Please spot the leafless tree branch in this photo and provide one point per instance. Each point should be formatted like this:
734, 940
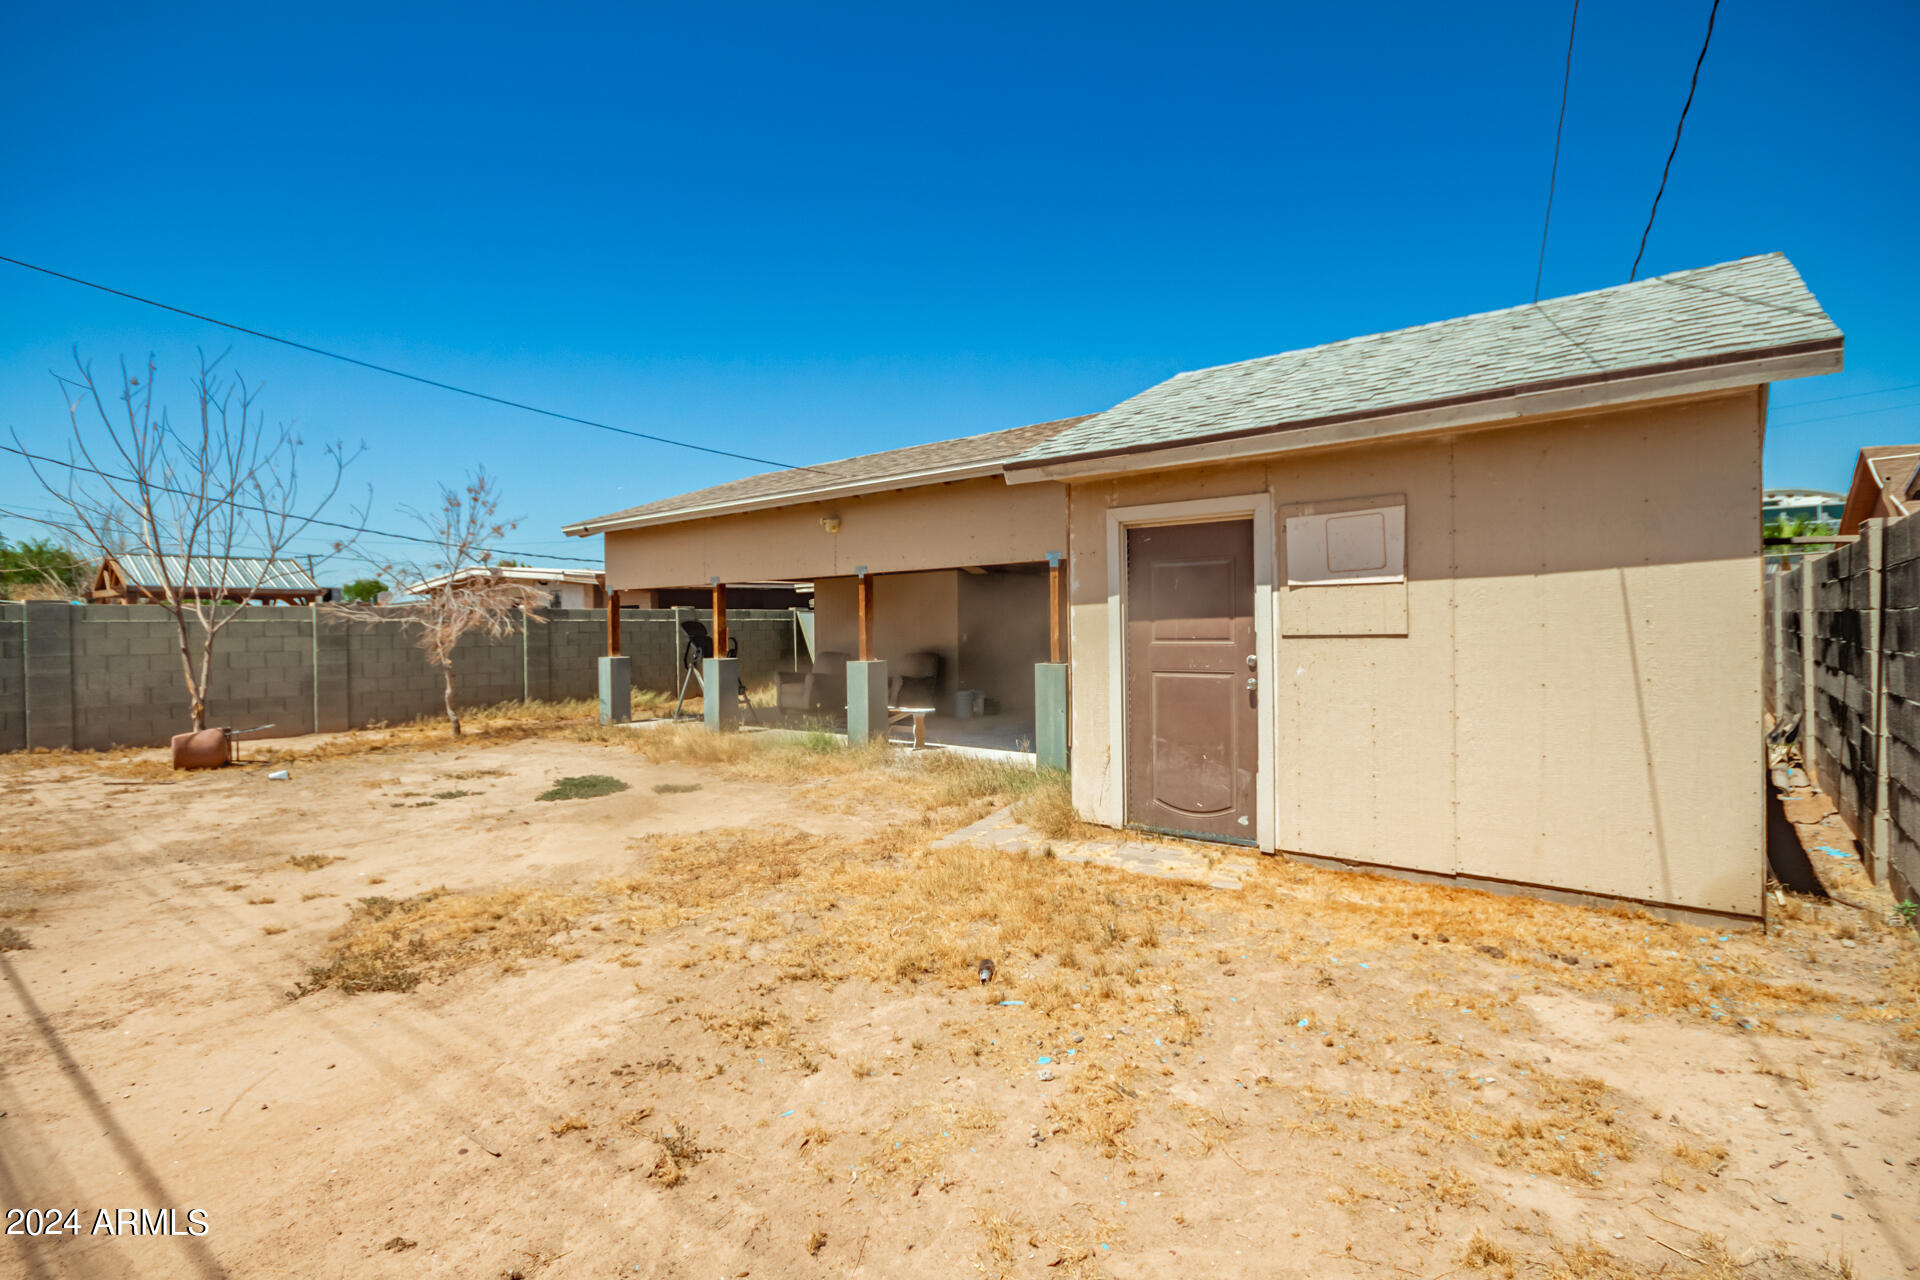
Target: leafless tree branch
195, 501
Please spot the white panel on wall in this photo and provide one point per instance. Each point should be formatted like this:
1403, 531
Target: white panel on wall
1367, 545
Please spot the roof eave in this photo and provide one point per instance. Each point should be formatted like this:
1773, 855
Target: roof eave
769, 502
1571, 395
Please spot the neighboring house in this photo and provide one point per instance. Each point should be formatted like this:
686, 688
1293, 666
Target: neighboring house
1374, 602
565, 588
128, 578
1883, 482
1814, 506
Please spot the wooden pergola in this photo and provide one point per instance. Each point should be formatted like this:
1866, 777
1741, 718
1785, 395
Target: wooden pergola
144, 579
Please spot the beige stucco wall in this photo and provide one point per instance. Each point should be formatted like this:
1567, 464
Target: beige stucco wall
1576, 699
968, 522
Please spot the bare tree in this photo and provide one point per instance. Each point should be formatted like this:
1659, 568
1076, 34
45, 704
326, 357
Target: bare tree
460, 590
217, 507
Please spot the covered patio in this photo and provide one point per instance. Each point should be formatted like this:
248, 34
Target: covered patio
938, 593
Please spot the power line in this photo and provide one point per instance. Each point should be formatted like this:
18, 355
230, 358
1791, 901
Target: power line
1852, 395
228, 502
1566, 83
1857, 413
1675, 150
410, 377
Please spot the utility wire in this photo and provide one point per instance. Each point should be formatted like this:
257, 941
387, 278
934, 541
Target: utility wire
1675, 149
1566, 83
1835, 417
410, 377
229, 502
1852, 395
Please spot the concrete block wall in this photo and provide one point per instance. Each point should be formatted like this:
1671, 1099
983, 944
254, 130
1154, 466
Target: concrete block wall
1900, 642
96, 676
1860, 643
13, 676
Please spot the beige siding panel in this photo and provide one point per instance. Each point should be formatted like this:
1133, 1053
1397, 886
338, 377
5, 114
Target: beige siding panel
975, 522
1609, 657
1357, 609
1576, 699
1366, 727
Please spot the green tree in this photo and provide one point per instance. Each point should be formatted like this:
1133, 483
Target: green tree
43, 563
363, 591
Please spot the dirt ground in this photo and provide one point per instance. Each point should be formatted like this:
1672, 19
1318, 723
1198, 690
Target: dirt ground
397, 1016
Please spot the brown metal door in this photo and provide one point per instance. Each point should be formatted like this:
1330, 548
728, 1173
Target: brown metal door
1192, 737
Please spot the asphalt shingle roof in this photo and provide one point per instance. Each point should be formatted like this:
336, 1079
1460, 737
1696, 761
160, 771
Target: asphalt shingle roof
776, 488
240, 573
1690, 317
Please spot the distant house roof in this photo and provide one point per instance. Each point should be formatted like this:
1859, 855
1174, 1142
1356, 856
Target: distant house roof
534, 574
1799, 497
1736, 311
1882, 477
149, 573
940, 462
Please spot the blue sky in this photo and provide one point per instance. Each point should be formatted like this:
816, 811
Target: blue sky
804, 233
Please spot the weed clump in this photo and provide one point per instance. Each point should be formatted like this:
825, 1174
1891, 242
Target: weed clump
679, 1152
586, 787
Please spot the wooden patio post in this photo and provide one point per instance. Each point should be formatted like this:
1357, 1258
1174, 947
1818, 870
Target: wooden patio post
719, 618
1056, 643
613, 624
866, 615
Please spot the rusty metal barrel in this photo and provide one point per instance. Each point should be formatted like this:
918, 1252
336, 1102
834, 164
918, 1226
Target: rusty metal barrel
203, 749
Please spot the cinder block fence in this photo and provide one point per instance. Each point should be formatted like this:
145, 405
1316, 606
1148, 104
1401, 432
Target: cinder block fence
1843, 652
95, 676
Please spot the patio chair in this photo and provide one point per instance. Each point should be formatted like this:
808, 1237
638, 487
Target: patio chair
917, 675
699, 648
824, 686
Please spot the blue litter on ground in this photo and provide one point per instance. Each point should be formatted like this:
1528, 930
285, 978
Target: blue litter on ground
785, 1114
1044, 1060
1831, 852
1005, 1003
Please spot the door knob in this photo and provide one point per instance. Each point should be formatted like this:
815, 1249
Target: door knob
1253, 683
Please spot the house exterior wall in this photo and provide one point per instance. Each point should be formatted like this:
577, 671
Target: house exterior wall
967, 522
1575, 700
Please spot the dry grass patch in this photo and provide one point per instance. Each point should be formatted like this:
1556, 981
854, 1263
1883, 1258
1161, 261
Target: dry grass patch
1482, 1254
1703, 1157
1058, 933
1639, 962
11, 939
915, 1147
688, 874
762, 757
481, 726
1048, 809
392, 944
1573, 1135
1099, 1107
312, 861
